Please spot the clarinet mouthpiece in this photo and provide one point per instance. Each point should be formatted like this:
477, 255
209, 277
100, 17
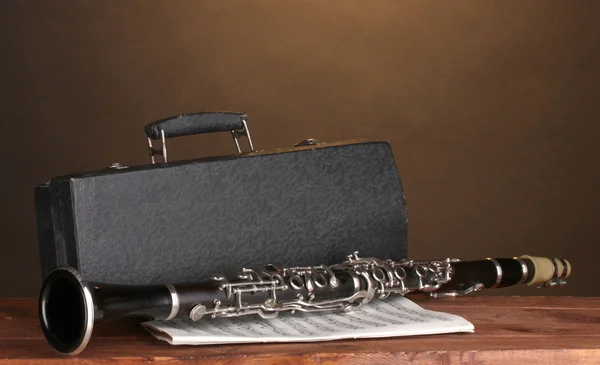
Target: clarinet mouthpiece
547, 272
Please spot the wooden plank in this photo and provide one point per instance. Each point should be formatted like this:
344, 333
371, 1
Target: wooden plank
428, 357
513, 329
149, 347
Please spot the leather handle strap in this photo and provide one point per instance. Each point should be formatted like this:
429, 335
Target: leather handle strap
195, 123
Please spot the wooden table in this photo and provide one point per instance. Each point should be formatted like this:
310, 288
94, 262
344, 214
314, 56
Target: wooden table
508, 330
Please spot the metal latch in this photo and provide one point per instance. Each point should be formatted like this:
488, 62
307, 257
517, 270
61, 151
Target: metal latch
117, 166
308, 142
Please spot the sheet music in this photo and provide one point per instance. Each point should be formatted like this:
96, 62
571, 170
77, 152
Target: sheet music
395, 316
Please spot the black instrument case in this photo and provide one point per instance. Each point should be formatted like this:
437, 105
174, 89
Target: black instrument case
165, 222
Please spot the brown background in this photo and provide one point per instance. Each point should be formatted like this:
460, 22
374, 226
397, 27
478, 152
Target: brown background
491, 107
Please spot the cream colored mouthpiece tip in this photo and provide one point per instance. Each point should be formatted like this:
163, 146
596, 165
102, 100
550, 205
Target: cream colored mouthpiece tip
544, 268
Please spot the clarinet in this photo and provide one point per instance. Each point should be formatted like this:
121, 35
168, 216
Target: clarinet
69, 306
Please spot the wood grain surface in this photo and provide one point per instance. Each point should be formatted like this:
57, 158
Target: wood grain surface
508, 330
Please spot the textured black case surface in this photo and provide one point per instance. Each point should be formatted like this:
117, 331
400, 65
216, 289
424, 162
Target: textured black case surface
188, 220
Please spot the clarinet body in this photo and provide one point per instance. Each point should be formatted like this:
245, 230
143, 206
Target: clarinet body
69, 306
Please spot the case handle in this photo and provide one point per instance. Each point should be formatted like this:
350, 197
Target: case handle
196, 123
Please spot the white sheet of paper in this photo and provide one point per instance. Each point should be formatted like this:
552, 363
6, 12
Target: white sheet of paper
395, 316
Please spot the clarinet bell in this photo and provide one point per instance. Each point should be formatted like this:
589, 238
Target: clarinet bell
66, 311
